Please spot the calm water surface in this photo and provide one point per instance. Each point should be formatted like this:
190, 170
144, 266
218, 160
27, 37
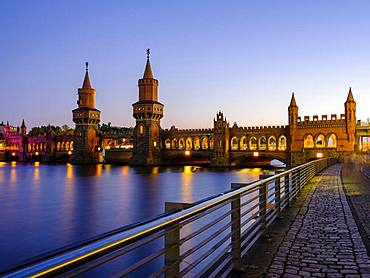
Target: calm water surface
44, 207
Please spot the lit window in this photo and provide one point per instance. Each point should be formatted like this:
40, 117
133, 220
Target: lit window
141, 129
308, 141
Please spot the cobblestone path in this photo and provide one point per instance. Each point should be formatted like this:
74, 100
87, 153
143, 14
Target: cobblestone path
324, 240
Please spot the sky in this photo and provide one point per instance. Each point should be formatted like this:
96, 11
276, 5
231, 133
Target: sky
242, 57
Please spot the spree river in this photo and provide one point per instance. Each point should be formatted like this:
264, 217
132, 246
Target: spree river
45, 207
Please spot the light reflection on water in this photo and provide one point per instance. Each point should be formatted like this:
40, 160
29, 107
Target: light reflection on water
44, 207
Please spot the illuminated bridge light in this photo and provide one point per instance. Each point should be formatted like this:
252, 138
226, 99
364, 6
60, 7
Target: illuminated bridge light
319, 155
187, 153
255, 154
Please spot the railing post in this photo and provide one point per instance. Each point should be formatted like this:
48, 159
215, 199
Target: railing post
301, 178
277, 195
172, 242
298, 180
286, 188
263, 204
236, 231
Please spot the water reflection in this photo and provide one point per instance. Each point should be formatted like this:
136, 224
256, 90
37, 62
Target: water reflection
88, 170
69, 174
155, 170
186, 183
55, 205
13, 173
124, 170
36, 172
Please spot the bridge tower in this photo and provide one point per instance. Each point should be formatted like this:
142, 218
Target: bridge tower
350, 112
148, 113
86, 118
293, 145
221, 137
23, 129
24, 140
293, 117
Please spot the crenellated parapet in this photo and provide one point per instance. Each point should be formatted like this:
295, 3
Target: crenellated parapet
324, 120
174, 132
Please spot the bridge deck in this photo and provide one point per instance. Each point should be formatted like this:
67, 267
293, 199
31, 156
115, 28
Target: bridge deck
323, 240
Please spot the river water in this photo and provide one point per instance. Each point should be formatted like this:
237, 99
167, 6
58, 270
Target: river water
45, 207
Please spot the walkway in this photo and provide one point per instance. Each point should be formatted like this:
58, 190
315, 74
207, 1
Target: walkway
356, 183
323, 241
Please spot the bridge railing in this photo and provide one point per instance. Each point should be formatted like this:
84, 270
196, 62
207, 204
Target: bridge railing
207, 238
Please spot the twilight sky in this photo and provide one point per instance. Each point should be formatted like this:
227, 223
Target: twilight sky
243, 57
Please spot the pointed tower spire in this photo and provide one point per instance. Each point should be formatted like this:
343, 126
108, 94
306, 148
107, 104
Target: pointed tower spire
87, 84
23, 128
148, 74
350, 96
292, 101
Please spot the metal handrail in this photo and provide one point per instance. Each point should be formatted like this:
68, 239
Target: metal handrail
91, 251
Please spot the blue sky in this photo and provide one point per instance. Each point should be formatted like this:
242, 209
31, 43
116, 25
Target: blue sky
242, 57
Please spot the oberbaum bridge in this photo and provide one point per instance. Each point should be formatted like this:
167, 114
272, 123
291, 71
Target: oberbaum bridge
245, 231
303, 139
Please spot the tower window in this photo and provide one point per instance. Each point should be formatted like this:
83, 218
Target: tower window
141, 129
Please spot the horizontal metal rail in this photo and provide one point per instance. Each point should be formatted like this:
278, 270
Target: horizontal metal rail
203, 238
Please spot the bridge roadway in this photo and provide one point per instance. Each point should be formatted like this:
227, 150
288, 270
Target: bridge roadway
318, 237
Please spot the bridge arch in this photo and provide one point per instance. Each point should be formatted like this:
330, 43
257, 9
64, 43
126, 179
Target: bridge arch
332, 141
71, 145
211, 143
189, 144
174, 144
196, 143
320, 141
67, 145
253, 143
271, 143
167, 144
234, 143
181, 144
204, 143
282, 143
262, 143
243, 143
308, 141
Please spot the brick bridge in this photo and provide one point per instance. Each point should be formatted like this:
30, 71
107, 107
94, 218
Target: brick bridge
244, 144
302, 139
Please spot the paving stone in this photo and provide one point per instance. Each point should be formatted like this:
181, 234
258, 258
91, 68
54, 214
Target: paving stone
323, 240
